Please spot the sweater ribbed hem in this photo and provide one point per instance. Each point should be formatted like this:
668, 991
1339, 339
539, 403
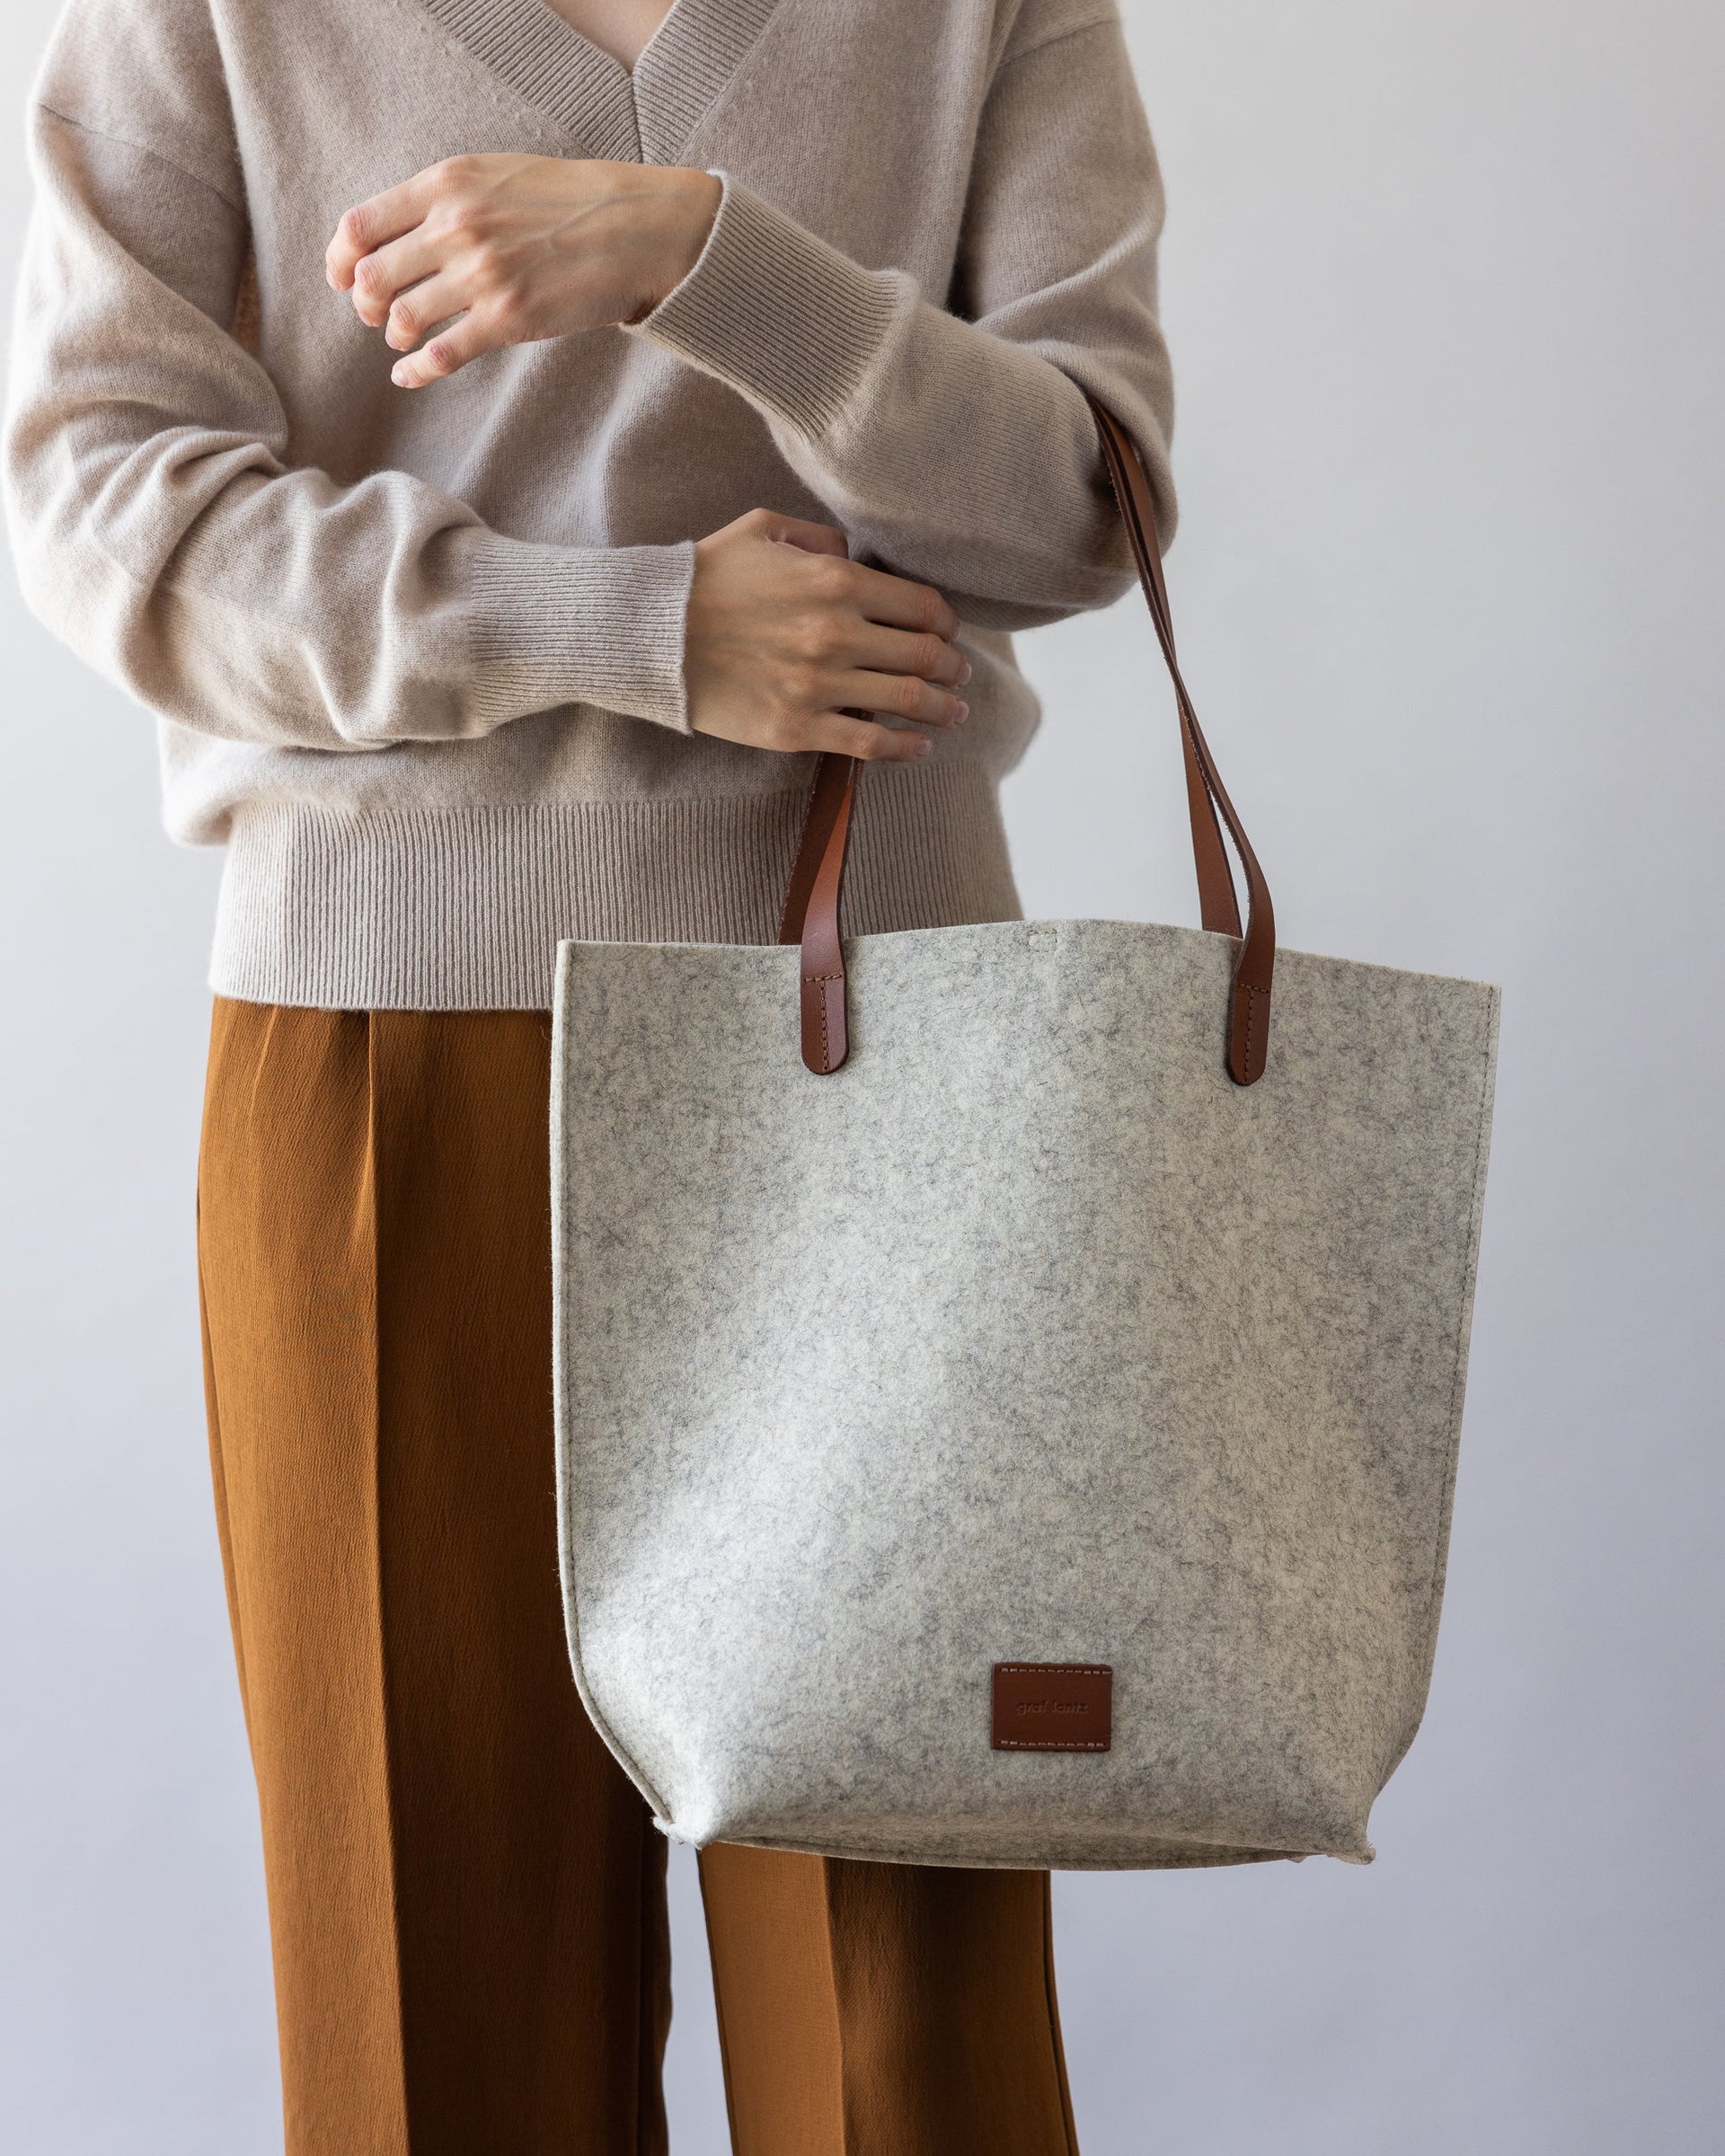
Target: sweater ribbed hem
787, 321
464, 908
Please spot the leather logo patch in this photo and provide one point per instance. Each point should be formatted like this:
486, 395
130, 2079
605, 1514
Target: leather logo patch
1053, 1706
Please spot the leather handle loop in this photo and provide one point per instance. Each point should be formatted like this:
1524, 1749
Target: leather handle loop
811, 915
1219, 905
1207, 799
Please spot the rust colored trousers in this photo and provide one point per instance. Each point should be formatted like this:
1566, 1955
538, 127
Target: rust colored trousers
466, 1893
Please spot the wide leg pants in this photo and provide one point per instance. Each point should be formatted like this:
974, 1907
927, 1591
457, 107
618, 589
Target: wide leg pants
467, 1895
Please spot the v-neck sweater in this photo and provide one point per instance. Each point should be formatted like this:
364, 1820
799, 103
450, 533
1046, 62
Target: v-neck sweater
418, 659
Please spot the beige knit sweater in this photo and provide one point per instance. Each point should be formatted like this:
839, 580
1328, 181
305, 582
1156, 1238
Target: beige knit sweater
418, 658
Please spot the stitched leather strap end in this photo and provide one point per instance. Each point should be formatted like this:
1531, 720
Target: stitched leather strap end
826, 1040
1249, 1033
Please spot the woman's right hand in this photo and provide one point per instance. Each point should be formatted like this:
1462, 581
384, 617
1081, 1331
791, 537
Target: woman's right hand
786, 636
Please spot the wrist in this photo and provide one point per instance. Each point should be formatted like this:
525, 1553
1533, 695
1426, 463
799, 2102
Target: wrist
692, 201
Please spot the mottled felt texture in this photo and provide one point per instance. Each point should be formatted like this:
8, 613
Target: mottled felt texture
1026, 1335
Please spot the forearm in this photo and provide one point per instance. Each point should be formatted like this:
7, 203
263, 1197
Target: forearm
948, 451
952, 442
159, 529
288, 611
952, 439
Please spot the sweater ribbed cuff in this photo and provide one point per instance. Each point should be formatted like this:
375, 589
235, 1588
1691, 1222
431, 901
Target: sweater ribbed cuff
562, 625
787, 321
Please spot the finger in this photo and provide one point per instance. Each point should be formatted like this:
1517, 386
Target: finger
812, 538
923, 654
841, 735
901, 602
370, 224
450, 349
415, 313
902, 695
381, 276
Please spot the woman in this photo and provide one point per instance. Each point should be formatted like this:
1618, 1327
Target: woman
692, 382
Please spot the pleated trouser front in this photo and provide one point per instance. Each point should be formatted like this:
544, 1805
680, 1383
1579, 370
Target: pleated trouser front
466, 1894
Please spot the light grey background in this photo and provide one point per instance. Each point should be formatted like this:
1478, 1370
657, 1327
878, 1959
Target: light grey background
1443, 286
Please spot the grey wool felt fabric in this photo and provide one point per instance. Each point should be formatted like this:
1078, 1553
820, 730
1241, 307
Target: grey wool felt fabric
1025, 1336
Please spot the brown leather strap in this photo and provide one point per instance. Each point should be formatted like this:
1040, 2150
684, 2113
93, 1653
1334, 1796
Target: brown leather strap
811, 915
1218, 904
1249, 1016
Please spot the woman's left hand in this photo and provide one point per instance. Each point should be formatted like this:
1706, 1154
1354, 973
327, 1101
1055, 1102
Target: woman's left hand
505, 250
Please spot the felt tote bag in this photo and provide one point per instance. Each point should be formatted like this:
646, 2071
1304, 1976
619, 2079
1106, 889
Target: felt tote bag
1008, 1376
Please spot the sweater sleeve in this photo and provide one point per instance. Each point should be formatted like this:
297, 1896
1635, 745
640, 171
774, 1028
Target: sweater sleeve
161, 530
953, 444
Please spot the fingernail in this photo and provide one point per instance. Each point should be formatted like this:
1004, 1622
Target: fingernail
964, 673
398, 376
960, 712
925, 748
